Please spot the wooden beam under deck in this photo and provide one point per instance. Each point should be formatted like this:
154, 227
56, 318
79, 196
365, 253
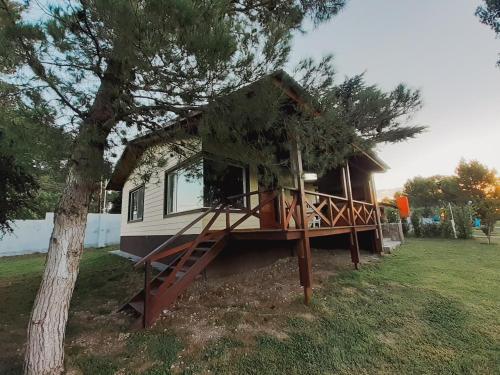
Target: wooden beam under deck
294, 234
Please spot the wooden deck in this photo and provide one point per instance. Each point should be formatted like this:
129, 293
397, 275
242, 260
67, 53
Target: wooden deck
295, 234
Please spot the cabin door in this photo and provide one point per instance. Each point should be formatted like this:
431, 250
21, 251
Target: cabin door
269, 213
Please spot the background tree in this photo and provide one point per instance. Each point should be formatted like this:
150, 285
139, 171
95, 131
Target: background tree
115, 201
17, 189
38, 147
449, 189
423, 191
472, 182
475, 181
489, 14
474, 190
489, 210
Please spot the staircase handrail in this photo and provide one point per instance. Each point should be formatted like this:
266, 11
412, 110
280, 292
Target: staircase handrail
174, 237
214, 209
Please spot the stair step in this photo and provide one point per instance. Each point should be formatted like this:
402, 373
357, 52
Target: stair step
180, 274
182, 271
206, 243
193, 259
137, 306
184, 268
204, 249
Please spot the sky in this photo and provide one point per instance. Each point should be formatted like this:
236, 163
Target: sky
437, 46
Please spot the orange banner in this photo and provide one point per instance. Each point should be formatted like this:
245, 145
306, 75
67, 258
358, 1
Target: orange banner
403, 206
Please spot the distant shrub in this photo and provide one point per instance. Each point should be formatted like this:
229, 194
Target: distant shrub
463, 221
405, 226
431, 230
427, 211
392, 215
416, 223
446, 229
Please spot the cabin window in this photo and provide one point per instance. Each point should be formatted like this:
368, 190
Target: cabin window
204, 184
360, 185
184, 189
332, 182
136, 204
222, 180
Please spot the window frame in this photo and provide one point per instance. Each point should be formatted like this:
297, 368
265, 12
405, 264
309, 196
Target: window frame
130, 193
182, 165
246, 183
186, 163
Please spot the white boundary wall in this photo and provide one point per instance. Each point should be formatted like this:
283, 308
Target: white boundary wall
31, 236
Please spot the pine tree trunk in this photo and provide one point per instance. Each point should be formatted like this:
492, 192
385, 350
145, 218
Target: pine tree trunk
47, 325
45, 348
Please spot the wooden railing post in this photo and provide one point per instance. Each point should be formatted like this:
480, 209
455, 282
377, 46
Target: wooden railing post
379, 237
352, 218
283, 210
330, 212
228, 218
304, 249
147, 294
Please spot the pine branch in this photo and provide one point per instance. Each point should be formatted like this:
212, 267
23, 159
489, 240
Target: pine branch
36, 66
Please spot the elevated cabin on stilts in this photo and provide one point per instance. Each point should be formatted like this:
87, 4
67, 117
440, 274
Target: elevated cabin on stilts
172, 219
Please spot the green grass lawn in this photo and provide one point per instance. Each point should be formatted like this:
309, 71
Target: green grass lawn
104, 281
431, 308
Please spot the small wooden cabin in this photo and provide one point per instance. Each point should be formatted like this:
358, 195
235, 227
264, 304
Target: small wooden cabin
171, 219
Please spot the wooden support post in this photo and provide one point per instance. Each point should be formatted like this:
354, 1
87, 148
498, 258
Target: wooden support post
354, 247
354, 244
283, 210
298, 250
304, 248
379, 237
330, 211
228, 218
147, 294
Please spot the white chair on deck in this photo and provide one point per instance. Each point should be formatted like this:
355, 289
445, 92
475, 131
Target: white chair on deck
315, 222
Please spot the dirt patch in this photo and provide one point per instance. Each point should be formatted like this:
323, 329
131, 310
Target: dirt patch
246, 305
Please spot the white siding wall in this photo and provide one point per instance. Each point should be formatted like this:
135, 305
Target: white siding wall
154, 222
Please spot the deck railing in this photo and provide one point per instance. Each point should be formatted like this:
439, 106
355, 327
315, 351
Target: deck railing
324, 210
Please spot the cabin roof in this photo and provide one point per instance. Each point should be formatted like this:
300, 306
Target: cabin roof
136, 147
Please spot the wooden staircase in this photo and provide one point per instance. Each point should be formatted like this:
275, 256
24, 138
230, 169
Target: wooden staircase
185, 262
161, 291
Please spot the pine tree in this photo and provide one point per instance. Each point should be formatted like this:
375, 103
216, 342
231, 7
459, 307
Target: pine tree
104, 63
489, 14
29, 136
